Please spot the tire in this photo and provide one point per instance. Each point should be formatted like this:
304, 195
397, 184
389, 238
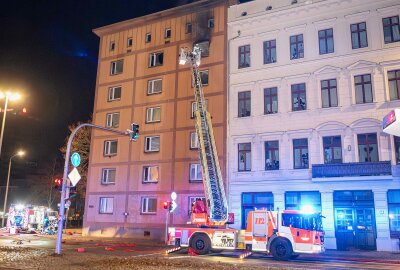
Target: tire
201, 244
281, 250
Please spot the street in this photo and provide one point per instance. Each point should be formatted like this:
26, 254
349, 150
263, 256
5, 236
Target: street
35, 252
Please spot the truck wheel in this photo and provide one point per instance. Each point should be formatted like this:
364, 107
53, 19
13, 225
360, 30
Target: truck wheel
281, 250
201, 244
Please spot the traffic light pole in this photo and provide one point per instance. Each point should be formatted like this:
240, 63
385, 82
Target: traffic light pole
65, 177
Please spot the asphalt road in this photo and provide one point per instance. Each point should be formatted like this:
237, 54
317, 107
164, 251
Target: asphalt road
133, 248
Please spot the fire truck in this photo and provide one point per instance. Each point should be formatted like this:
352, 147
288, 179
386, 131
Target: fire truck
284, 234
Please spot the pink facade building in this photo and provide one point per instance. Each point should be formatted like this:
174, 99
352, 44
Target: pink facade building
139, 81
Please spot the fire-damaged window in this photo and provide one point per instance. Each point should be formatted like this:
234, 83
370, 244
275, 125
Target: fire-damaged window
188, 28
156, 59
204, 47
210, 23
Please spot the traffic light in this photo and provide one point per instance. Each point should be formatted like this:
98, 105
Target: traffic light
134, 131
166, 205
72, 192
58, 184
172, 206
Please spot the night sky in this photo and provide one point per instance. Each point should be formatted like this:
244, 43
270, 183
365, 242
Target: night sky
49, 53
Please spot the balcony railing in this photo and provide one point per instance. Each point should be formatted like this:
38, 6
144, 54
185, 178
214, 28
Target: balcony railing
351, 169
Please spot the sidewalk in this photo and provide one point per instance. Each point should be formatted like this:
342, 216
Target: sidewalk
358, 256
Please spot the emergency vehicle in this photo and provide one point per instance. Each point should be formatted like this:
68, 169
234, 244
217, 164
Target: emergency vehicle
284, 234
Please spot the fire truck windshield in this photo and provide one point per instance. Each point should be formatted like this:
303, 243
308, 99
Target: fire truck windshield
312, 222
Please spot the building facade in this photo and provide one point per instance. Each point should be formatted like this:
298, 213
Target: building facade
139, 81
309, 84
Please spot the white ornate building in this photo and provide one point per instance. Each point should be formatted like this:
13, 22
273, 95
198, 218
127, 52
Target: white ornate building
309, 84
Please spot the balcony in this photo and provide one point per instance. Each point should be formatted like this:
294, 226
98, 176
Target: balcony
351, 169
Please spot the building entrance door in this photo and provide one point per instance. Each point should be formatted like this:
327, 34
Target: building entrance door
354, 219
355, 228
344, 228
365, 237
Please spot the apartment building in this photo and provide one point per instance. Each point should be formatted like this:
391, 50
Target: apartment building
139, 81
309, 84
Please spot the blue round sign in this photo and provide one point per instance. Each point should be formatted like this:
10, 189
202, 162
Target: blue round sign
75, 159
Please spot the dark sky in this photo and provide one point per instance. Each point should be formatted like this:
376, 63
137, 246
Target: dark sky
49, 53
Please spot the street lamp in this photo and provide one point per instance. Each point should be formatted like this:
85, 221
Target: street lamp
20, 154
9, 97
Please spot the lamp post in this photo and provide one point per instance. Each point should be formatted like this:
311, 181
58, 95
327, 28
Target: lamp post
20, 154
8, 96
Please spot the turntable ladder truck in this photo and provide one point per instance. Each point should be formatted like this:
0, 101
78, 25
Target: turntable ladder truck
285, 234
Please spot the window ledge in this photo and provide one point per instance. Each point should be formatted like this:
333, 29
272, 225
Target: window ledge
271, 114
290, 113
149, 182
107, 184
370, 104
327, 109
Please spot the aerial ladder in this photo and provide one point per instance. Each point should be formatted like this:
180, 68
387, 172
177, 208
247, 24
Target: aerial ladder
216, 208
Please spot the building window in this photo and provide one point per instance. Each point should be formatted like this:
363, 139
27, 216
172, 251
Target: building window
110, 148
332, 149
153, 115
325, 41
359, 35
195, 173
296, 47
168, 33
204, 48
114, 93
210, 23
299, 102
397, 148
300, 153
394, 84
203, 77
269, 51
391, 29
148, 37
188, 28
112, 46
270, 100
303, 200
106, 205
271, 155
149, 205
244, 157
244, 104
192, 200
151, 174
329, 93
394, 212
255, 200
194, 108
112, 120
154, 86
363, 88
156, 59
194, 141
108, 176
367, 147
152, 144
129, 42
117, 67
244, 56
